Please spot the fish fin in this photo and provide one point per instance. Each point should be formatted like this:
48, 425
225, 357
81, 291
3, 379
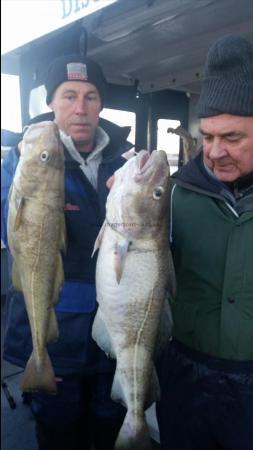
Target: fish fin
153, 393
20, 206
120, 252
16, 281
99, 239
39, 378
63, 235
52, 331
134, 433
117, 391
165, 329
171, 277
101, 335
58, 279
10, 191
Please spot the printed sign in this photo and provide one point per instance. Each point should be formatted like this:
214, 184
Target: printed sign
23, 21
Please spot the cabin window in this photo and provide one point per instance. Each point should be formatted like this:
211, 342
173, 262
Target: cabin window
169, 142
121, 118
37, 102
10, 121
10, 103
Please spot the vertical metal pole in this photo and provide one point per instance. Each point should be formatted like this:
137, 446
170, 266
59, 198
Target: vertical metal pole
149, 126
25, 86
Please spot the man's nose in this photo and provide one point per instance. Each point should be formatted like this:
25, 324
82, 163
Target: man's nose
81, 106
217, 149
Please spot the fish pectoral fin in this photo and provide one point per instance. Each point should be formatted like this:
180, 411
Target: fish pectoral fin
20, 202
99, 239
120, 252
16, 281
101, 335
52, 331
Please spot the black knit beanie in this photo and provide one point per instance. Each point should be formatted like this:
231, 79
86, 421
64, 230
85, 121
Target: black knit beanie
227, 86
74, 68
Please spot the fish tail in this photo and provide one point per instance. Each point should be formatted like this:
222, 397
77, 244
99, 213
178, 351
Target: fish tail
39, 378
134, 434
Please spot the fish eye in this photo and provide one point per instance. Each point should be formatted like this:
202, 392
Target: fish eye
44, 156
158, 192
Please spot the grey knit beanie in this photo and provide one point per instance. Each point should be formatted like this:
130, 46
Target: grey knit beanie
228, 78
74, 68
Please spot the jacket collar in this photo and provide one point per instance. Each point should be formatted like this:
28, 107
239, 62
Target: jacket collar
102, 140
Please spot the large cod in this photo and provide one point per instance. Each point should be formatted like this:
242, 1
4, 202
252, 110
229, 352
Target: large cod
36, 237
134, 276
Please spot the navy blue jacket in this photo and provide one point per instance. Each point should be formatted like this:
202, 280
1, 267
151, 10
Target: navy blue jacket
75, 351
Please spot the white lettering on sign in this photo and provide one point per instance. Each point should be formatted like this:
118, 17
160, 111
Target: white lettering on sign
40, 17
74, 6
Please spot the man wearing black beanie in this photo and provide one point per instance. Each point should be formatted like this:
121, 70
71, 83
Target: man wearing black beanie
206, 373
82, 415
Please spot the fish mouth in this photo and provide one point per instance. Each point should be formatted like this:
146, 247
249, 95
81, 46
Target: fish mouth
148, 163
144, 157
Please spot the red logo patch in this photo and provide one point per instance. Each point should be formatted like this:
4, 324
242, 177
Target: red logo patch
77, 71
70, 207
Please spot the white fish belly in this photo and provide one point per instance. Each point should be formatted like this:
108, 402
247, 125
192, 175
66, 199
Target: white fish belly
131, 309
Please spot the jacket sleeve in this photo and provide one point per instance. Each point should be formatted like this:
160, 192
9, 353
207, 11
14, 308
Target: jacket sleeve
8, 168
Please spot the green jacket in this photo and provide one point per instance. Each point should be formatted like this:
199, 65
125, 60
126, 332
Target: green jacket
212, 245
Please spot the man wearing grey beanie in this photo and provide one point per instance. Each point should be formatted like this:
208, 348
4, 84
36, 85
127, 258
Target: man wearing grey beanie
206, 373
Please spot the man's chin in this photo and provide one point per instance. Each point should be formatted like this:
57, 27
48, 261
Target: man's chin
85, 145
81, 137
226, 176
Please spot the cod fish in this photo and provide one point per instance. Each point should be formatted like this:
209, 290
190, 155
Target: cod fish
134, 276
36, 236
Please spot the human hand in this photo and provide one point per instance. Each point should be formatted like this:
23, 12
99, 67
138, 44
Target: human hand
110, 182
